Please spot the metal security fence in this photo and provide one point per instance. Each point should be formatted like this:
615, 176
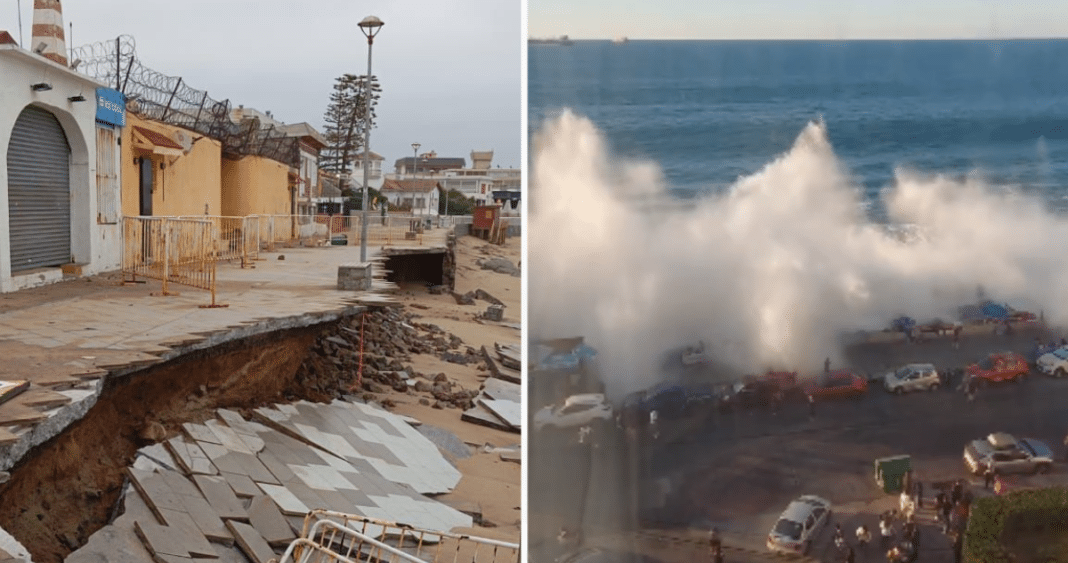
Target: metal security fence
172, 250
330, 536
236, 238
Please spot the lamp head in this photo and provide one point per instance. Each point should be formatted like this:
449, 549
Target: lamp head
370, 26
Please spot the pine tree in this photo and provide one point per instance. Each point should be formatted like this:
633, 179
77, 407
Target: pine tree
345, 125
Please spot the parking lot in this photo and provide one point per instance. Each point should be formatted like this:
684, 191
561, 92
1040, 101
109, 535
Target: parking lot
738, 470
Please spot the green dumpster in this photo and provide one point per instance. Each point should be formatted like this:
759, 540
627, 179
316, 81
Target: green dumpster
890, 472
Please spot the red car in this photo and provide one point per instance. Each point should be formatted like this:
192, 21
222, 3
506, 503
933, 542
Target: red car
838, 383
1003, 366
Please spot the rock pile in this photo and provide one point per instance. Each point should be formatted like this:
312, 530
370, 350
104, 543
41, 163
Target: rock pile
391, 337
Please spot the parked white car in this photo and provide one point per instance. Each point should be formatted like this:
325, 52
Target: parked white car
574, 412
912, 377
1054, 363
793, 531
1004, 454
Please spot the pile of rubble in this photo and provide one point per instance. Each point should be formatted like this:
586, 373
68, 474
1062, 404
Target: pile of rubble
390, 338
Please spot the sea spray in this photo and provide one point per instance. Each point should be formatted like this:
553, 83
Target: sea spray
770, 273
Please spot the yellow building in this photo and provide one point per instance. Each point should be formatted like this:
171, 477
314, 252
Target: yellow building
254, 185
168, 170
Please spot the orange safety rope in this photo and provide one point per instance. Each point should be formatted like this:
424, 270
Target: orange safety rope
359, 370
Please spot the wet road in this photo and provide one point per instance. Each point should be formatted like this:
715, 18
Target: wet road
732, 469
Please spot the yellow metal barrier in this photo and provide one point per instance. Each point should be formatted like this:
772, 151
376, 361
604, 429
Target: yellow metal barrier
172, 250
337, 537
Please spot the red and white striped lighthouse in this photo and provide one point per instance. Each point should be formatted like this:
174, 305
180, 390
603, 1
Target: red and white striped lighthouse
48, 40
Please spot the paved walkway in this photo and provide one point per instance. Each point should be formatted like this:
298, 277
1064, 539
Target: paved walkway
65, 338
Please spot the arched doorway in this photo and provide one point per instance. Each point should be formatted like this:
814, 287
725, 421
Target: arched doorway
39, 194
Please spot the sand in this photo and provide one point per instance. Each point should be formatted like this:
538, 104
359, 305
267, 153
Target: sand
488, 482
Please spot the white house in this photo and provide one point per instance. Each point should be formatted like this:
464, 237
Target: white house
59, 170
421, 195
310, 143
375, 178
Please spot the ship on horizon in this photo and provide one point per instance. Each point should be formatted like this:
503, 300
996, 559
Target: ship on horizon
562, 40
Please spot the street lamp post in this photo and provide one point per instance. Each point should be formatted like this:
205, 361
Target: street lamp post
370, 26
415, 156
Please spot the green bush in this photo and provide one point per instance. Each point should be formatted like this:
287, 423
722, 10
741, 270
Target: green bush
996, 519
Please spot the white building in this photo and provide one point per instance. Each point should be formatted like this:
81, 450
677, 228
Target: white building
310, 143
375, 178
421, 195
59, 171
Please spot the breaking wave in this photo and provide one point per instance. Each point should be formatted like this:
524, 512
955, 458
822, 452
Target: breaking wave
770, 272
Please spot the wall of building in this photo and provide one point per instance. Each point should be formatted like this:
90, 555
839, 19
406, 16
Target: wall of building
93, 245
255, 185
186, 185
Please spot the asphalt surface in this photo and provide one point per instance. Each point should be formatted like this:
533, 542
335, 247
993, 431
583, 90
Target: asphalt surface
737, 471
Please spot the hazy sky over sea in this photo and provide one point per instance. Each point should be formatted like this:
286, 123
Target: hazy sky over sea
798, 19
450, 71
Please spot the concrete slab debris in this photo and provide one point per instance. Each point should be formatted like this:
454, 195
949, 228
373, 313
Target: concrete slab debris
182, 527
267, 519
496, 388
251, 542
508, 411
480, 415
160, 540
221, 497
10, 389
359, 432
190, 458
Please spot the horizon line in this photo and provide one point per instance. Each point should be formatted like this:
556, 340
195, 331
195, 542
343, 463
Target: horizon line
628, 38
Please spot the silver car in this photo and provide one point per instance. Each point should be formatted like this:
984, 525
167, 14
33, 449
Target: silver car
912, 377
1002, 453
793, 531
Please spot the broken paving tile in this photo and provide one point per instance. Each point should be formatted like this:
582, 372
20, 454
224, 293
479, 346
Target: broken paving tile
502, 390
200, 433
183, 528
221, 497
513, 456
207, 520
251, 542
116, 543
14, 413
160, 540
242, 485
155, 491
281, 471
480, 415
250, 465
159, 454
179, 484
190, 457
508, 411
227, 437
265, 516
11, 389
6, 437
287, 502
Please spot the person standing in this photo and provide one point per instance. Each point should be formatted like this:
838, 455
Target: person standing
715, 544
988, 477
957, 493
919, 494
886, 531
850, 557
811, 407
863, 537
957, 328
839, 537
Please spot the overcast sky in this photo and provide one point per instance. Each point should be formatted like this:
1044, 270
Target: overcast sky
799, 19
449, 69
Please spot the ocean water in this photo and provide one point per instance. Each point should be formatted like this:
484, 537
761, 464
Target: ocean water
709, 112
811, 189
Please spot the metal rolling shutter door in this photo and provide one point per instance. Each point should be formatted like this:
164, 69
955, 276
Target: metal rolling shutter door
38, 172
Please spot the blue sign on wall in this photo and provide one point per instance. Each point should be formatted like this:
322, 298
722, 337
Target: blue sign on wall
110, 106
